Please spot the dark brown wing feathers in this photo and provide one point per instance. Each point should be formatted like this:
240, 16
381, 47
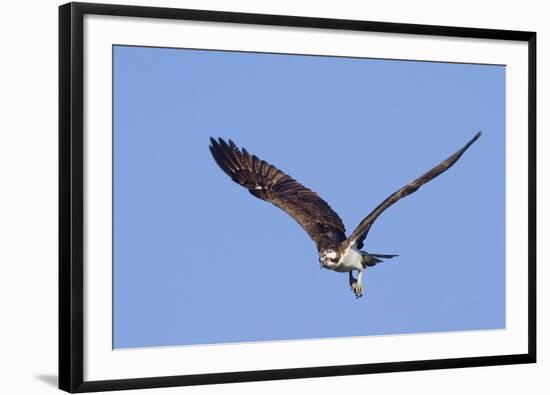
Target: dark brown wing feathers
268, 183
360, 233
323, 225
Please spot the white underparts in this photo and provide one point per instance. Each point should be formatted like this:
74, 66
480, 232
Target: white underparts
351, 260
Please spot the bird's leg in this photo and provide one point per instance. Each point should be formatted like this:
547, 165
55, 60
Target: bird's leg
352, 282
358, 289
356, 284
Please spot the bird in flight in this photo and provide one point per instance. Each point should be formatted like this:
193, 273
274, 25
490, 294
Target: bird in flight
336, 251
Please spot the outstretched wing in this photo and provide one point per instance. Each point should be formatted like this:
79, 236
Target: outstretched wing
360, 233
268, 183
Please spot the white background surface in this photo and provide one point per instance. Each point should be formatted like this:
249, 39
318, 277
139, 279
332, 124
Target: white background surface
28, 202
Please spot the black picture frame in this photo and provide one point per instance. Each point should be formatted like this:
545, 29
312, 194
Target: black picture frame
71, 195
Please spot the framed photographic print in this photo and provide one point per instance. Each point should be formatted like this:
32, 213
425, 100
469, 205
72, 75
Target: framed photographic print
253, 197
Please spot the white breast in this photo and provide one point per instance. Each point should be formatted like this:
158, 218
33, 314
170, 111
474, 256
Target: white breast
352, 260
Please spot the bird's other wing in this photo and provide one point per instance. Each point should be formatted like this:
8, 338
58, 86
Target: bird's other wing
360, 233
268, 183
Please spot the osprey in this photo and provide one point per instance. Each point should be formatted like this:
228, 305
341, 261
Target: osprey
336, 251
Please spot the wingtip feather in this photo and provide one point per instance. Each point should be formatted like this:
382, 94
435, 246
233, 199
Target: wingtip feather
478, 134
469, 143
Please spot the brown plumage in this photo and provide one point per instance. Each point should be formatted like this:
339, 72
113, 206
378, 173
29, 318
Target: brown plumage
360, 233
323, 225
268, 183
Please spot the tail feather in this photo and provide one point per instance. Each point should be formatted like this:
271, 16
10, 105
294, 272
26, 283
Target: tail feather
373, 259
384, 256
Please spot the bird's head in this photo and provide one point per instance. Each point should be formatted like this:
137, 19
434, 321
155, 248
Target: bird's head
329, 258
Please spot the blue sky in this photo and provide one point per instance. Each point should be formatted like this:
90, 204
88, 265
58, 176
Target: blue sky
198, 260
